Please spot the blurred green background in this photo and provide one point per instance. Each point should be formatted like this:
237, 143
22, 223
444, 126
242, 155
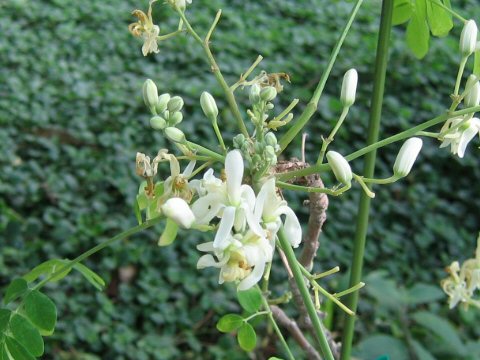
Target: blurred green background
72, 119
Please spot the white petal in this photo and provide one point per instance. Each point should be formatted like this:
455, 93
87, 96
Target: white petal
234, 173
252, 221
248, 195
207, 207
205, 247
252, 278
467, 136
222, 236
189, 169
293, 229
206, 261
178, 210
267, 200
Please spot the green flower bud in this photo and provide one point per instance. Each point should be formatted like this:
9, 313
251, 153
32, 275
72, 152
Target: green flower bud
175, 104
468, 39
406, 156
259, 147
472, 97
254, 95
162, 103
349, 88
209, 106
175, 118
270, 106
238, 141
150, 94
270, 154
175, 135
158, 123
268, 93
270, 139
340, 167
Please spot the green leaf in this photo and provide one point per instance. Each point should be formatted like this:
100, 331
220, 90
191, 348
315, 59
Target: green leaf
41, 311
424, 293
48, 268
439, 19
16, 349
402, 11
247, 339
169, 234
27, 335
378, 345
476, 65
229, 323
92, 277
250, 299
442, 328
17, 288
421, 352
418, 36
3, 353
4, 319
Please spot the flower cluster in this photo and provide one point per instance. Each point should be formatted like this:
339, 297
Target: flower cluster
463, 281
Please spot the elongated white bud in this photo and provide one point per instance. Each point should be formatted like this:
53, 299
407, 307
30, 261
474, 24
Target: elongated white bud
209, 106
340, 167
406, 156
175, 104
175, 135
150, 94
472, 97
349, 88
158, 123
162, 103
178, 210
468, 39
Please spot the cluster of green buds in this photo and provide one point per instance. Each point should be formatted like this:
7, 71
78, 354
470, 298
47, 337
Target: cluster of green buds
166, 111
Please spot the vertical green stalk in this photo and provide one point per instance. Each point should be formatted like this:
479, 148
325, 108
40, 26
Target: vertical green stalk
368, 171
307, 299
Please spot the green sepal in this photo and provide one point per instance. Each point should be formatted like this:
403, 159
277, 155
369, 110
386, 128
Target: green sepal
27, 335
41, 311
169, 234
246, 337
91, 276
17, 288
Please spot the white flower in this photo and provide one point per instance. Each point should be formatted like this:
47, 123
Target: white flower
468, 39
406, 156
268, 209
242, 259
178, 210
349, 88
340, 167
229, 200
145, 29
459, 139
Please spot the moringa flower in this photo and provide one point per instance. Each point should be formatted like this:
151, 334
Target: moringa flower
406, 156
268, 209
461, 136
145, 29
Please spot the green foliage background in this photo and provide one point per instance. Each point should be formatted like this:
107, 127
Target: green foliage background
72, 119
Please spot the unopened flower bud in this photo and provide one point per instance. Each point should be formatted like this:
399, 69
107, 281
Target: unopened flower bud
175, 104
269, 106
270, 155
175, 135
349, 88
238, 141
468, 39
178, 210
150, 94
271, 139
268, 93
158, 123
162, 103
340, 167
175, 118
406, 156
472, 97
254, 95
209, 106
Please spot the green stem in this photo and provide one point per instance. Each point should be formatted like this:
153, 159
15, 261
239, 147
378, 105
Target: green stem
299, 280
205, 151
101, 246
311, 189
276, 328
168, 36
368, 171
313, 103
328, 140
244, 76
387, 141
461, 69
219, 134
216, 71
